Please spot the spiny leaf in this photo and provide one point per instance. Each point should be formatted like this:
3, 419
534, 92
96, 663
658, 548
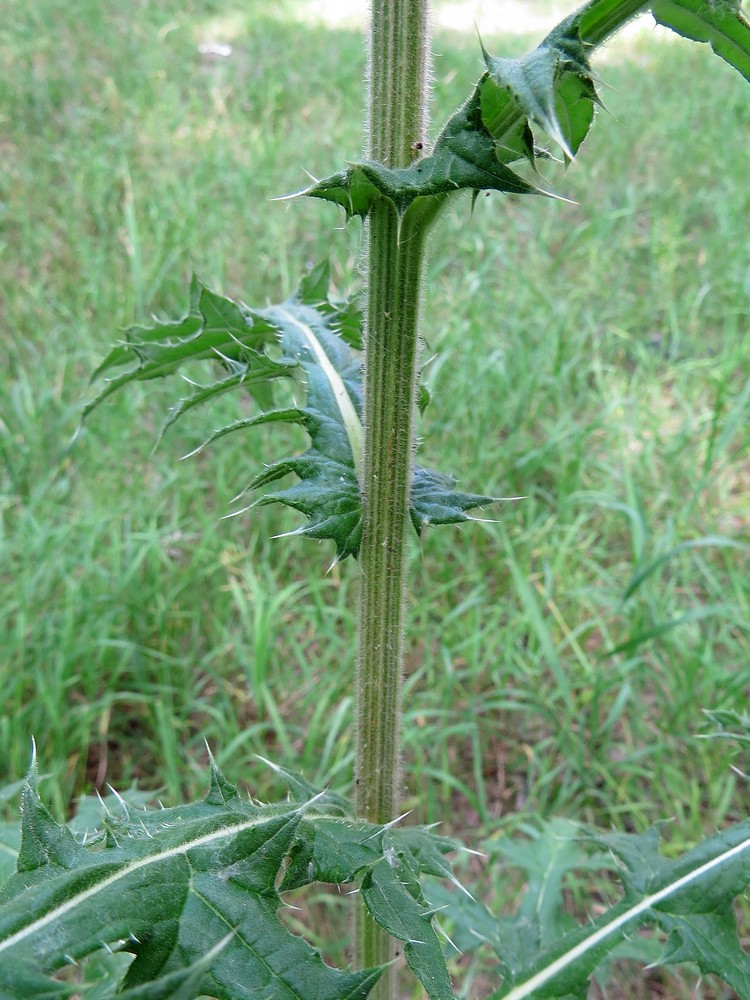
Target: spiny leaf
394, 860
190, 894
688, 899
331, 851
328, 489
303, 792
435, 500
464, 158
393, 897
214, 329
43, 842
718, 22
598, 20
10, 843
551, 88
182, 985
310, 337
546, 856
392, 892
544, 953
344, 315
21, 981
173, 887
333, 847
424, 850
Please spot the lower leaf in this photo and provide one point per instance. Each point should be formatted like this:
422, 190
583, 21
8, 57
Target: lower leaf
166, 886
544, 953
189, 897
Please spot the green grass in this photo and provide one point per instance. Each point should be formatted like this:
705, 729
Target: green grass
592, 358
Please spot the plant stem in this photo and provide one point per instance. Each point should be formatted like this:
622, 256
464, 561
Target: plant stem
600, 23
390, 396
398, 91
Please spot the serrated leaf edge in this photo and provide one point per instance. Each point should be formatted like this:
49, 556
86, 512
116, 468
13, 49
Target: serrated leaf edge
81, 897
542, 977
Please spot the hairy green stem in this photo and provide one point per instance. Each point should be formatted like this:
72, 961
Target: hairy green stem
390, 396
399, 80
396, 255
398, 91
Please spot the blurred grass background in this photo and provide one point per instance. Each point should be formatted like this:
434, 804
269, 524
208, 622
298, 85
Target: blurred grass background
590, 357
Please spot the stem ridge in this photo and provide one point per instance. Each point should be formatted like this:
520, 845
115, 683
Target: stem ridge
398, 92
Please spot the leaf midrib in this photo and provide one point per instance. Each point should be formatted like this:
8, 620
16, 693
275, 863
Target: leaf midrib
129, 869
564, 961
349, 416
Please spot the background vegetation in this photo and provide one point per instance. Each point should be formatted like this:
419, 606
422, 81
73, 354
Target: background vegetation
591, 357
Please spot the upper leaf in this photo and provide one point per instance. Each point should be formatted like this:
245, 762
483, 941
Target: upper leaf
435, 500
718, 22
464, 158
213, 329
310, 338
552, 89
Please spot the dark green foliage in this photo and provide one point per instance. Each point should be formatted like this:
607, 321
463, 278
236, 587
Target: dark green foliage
311, 338
551, 88
543, 952
190, 892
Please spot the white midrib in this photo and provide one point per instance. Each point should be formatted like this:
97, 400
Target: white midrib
566, 960
351, 421
81, 897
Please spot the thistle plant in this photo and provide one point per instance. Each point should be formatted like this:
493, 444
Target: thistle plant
182, 902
